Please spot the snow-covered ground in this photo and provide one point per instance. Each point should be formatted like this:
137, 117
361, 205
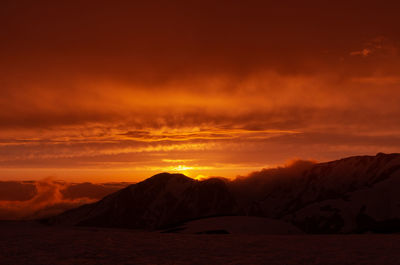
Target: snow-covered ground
27, 243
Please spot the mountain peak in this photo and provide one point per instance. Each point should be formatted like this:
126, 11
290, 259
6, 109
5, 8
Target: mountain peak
167, 177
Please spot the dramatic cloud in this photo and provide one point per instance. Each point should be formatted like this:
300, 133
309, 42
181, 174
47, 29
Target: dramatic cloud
101, 91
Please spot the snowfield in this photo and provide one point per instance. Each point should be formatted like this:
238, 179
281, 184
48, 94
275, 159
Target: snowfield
29, 243
236, 225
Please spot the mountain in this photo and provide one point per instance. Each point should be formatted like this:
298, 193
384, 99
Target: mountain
352, 195
162, 200
358, 194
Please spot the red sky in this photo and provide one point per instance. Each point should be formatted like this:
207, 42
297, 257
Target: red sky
121, 90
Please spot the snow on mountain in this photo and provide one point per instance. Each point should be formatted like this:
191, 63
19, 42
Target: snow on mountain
324, 181
371, 202
355, 194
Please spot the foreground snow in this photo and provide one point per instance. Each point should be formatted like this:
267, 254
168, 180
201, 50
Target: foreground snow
236, 225
26, 243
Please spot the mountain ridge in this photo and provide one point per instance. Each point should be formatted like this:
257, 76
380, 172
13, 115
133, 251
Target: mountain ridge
325, 197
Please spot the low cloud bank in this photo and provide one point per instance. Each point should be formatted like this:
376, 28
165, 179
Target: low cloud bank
37, 199
260, 184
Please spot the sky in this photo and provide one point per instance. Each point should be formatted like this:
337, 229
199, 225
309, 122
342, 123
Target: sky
121, 90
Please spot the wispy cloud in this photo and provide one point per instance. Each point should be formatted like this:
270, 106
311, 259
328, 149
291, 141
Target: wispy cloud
364, 52
377, 46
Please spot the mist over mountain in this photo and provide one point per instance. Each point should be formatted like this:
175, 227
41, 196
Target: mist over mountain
355, 194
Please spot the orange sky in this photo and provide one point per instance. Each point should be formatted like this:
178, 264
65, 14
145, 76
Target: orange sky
119, 90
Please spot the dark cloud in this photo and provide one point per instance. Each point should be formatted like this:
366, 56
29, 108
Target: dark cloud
16, 191
158, 41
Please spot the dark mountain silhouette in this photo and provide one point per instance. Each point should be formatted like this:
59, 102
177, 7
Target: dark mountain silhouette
159, 201
355, 194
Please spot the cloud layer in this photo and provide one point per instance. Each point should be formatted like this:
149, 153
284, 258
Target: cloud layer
102, 92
